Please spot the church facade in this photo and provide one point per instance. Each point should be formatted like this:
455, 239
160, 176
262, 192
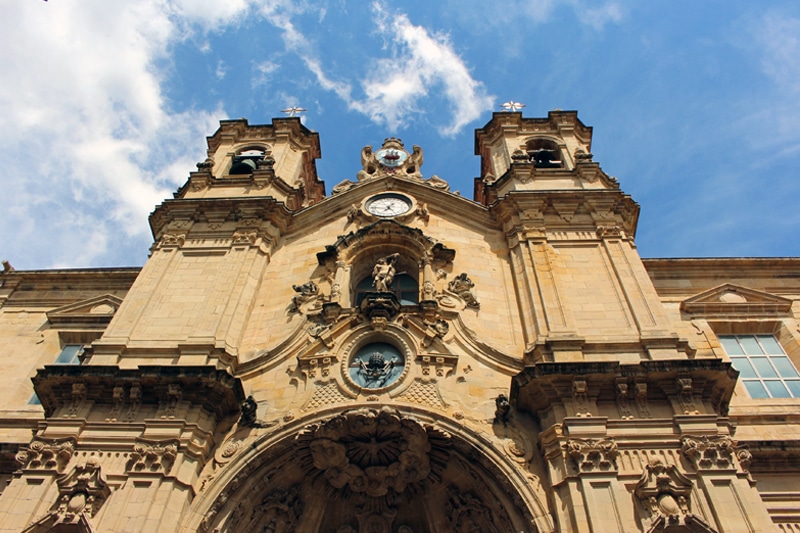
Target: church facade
395, 358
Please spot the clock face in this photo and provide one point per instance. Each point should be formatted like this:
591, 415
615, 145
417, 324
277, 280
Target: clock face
389, 157
389, 205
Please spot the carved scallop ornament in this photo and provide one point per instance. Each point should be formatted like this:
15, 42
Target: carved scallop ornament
374, 451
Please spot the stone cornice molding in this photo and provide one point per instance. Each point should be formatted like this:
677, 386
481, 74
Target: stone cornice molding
214, 390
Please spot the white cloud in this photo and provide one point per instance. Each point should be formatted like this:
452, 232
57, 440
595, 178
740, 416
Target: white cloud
85, 132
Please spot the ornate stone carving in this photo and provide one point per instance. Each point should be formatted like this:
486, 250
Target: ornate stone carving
467, 513
713, 452
371, 451
172, 240
664, 495
307, 292
462, 286
593, 454
281, 510
46, 454
82, 491
153, 456
241, 237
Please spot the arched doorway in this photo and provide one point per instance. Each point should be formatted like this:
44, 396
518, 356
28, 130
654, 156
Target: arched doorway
370, 469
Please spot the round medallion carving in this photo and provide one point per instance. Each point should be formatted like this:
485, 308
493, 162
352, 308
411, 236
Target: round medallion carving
376, 365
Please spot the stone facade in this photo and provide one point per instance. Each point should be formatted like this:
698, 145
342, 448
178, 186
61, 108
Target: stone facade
395, 358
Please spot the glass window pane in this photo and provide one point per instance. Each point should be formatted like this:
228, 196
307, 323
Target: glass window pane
794, 387
731, 346
69, 355
777, 389
785, 367
763, 367
750, 345
770, 344
744, 367
756, 389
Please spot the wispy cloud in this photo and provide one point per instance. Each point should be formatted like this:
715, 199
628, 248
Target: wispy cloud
416, 63
420, 62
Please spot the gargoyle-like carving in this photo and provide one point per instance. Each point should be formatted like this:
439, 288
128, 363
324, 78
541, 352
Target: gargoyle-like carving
462, 286
712, 452
152, 456
414, 162
306, 292
248, 417
372, 451
502, 409
47, 454
593, 454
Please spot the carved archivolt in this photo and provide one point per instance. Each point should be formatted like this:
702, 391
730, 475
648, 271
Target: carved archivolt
372, 451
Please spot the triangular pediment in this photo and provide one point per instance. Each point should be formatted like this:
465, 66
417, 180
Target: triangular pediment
735, 300
97, 310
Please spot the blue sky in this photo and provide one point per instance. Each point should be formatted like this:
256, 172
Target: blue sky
105, 105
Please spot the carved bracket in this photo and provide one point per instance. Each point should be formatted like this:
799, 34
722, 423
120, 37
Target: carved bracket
153, 456
46, 454
591, 455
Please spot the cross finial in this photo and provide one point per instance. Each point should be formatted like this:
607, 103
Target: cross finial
511, 105
294, 110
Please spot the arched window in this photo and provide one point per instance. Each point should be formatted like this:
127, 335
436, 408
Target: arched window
246, 161
544, 153
404, 287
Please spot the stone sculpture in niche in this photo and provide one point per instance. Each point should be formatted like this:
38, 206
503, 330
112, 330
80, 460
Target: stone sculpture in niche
383, 273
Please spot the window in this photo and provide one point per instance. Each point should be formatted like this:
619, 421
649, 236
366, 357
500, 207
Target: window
764, 368
404, 287
70, 355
